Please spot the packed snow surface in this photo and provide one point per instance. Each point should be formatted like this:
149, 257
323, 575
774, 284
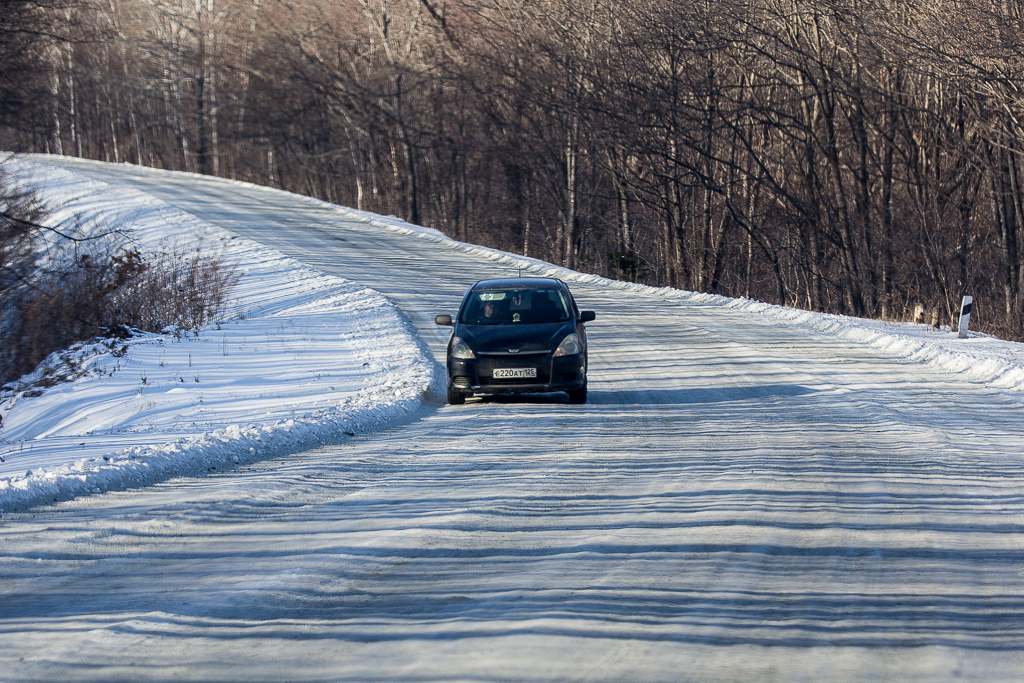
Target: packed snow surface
300, 358
750, 493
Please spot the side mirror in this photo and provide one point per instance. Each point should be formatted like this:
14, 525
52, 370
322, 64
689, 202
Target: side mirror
443, 320
587, 316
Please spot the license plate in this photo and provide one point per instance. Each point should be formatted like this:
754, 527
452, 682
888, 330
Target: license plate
514, 373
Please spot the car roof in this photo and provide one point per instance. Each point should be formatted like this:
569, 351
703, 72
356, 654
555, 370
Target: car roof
518, 283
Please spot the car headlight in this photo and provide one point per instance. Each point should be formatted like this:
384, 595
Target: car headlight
460, 349
570, 346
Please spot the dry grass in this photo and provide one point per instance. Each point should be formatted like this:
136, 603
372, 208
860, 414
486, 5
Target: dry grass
82, 289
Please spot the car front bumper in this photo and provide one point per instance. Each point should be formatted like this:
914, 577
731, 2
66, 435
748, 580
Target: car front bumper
475, 375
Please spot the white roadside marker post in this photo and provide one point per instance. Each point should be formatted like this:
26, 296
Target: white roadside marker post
965, 317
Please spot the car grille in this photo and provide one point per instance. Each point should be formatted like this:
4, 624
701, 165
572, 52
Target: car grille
518, 354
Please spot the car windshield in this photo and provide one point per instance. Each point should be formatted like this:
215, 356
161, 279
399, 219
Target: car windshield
515, 306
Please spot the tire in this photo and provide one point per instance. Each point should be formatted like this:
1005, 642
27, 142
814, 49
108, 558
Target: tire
578, 395
455, 398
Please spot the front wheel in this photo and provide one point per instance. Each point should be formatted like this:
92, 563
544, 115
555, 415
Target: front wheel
578, 395
455, 398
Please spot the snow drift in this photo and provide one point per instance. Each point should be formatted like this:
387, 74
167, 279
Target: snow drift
302, 358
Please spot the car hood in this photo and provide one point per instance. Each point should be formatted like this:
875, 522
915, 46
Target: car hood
498, 338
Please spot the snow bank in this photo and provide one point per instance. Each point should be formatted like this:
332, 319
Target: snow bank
980, 357
302, 358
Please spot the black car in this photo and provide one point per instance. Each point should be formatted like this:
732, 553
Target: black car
517, 335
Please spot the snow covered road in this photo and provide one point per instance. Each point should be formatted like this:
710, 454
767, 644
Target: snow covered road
739, 500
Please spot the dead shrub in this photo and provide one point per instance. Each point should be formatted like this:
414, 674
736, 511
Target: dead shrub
179, 287
78, 288
19, 212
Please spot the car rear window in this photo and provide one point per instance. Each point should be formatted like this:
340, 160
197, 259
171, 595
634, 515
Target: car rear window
515, 306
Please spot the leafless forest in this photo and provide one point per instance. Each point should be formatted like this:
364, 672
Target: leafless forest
850, 156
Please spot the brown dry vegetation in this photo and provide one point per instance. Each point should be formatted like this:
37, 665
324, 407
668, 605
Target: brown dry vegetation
59, 289
851, 156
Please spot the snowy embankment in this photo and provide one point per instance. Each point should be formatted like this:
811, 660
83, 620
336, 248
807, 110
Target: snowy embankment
980, 357
300, 358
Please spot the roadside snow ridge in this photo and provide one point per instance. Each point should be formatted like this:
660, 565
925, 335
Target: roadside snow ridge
301, 358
